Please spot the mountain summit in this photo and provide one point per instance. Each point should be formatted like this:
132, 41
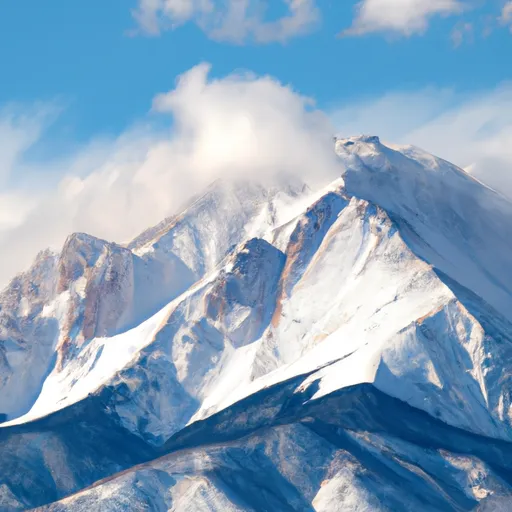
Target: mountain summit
272, 348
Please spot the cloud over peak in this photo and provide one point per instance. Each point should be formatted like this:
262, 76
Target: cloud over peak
239, 125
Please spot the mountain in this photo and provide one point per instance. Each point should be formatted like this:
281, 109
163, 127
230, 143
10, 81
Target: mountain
273, 347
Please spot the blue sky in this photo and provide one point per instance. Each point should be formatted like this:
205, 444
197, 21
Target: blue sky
87, 143
80, 54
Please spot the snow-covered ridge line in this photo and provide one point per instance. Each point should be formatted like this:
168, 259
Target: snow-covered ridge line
395, 275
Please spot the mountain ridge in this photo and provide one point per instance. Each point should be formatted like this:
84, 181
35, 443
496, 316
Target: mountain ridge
392, 278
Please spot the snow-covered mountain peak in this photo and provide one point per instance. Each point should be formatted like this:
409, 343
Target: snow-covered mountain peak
445, 214
243, 196
350, 338
33, 287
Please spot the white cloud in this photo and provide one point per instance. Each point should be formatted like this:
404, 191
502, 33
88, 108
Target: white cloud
506, 14
235, 21
18, 131
406, 17
473, 131
238, 125
462, 32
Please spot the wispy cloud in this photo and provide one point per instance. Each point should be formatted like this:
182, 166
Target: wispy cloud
506, 15
239, 125
20, 128
405, 17
235, 21
241, 21
462, 32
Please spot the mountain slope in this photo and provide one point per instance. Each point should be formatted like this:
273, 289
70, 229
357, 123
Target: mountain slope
356, 449
448, 218
351, 341
94, 288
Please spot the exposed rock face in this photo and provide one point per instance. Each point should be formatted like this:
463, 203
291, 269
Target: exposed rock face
27, 335
98, 278
244, 297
